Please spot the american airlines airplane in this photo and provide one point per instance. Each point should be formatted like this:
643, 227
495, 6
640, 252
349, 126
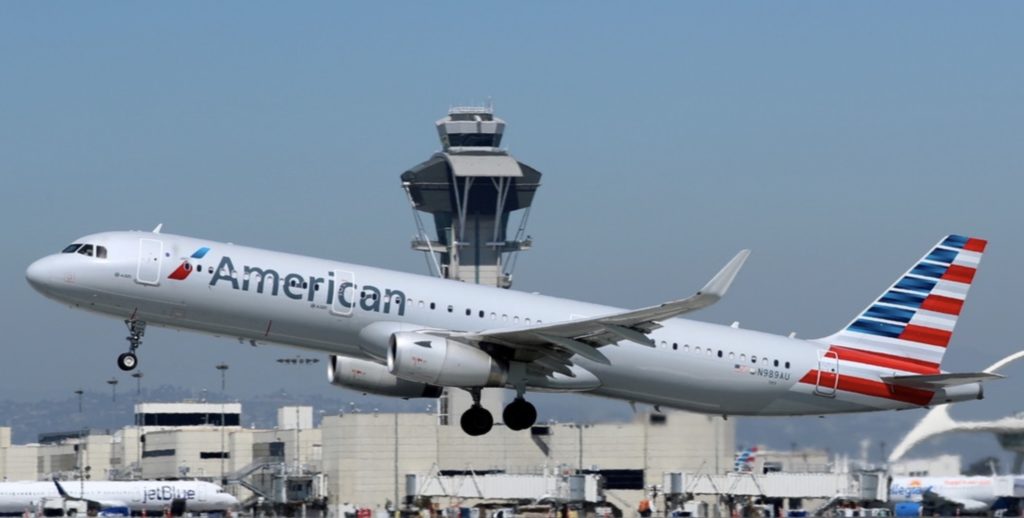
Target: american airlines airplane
117, 497
406, 335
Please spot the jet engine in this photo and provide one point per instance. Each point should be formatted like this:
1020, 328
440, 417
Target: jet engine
440, 361
367, 376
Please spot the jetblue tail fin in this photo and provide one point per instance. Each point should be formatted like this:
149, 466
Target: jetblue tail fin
909, 326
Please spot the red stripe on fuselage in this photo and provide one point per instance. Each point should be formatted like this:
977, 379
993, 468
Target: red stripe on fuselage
940, 304
975, 245
871, 388
957, 273
926, 335
888, 361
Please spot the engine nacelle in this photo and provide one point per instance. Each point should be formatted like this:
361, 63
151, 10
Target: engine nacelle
367, 376
439, 361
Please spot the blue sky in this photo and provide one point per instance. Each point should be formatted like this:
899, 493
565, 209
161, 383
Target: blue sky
837, 140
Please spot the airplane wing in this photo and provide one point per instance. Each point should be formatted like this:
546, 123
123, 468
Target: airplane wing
938, 381
551, 344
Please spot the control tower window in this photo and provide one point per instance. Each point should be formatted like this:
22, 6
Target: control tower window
70, 249
86, 250
474, 139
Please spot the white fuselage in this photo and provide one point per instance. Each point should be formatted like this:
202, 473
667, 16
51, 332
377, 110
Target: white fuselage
975, 494
141, 495
694, 365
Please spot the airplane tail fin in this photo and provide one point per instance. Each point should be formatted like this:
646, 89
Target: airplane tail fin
909, 326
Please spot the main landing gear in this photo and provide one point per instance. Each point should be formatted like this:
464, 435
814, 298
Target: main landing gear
520, 414
477, 420
136, 330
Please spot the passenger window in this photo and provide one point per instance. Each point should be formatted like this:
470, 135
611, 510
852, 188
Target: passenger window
776, 363
719, 353
787, 365
709, 351
468, 311
504, 317
675, 346
686, 347
696, 350
421, 304
743, 357
70, 249
209, 270
101, 252
515, 319
86, 250
732, 355
664, 344
481, 313
753, 359
494, 316
527, 321
432, 305
451, 308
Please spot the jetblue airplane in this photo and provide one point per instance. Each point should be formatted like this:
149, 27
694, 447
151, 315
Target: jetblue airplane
153, 496
406, 335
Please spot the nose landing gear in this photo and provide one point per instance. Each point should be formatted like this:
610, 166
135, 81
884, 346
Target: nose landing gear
136, 330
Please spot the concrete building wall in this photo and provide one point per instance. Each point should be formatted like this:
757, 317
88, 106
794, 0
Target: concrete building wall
359, 454
168, 451
359, 451
21, 462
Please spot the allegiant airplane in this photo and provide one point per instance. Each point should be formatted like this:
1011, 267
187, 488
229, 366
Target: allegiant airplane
406, 335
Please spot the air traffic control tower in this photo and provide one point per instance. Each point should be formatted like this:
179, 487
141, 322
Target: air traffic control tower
473, 189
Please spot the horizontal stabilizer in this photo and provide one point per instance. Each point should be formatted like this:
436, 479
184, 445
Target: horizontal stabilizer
938, 381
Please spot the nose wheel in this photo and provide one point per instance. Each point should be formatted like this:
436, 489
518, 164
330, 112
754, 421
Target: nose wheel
127, 361
136, 330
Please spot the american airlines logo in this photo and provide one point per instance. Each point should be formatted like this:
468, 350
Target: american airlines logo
185, 268
309, 288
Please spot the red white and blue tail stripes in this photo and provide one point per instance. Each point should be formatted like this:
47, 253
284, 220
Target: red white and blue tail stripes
907, 329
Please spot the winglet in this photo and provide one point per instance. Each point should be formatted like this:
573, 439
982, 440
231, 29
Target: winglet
158, 228
720, 283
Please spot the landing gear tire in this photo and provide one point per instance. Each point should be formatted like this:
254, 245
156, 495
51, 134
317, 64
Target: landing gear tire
476, 421
127, 361
520, 414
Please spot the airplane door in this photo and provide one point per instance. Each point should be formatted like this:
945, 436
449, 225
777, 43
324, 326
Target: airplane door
150, 254
828, 374
345, 299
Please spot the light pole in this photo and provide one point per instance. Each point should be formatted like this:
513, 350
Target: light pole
138, 383
79, 393
113, 388
223, 368
297, 361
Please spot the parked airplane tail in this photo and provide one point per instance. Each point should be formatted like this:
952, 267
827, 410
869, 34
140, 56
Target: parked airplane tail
909, 326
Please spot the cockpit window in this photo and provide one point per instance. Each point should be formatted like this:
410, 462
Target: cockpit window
86, 250
101, 252
70, 249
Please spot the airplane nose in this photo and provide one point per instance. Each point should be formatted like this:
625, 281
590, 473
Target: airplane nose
40, 273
